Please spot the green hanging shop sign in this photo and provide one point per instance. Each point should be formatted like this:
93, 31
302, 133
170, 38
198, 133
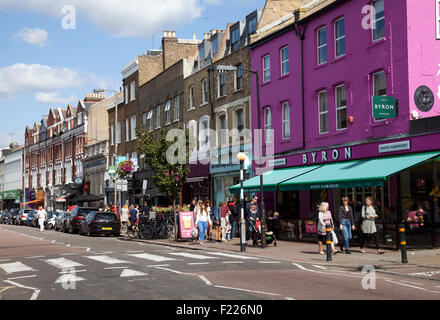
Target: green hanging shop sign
384, 107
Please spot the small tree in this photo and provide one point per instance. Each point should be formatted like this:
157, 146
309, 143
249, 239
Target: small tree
167, 155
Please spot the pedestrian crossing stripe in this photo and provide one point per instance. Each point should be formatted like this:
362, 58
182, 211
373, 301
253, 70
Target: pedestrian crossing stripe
153, 257
63, 263
192, 255
107, 259
232, 255
15, 267
69, 278
131, 273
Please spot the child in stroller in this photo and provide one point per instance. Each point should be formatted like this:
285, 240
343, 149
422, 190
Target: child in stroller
270, 237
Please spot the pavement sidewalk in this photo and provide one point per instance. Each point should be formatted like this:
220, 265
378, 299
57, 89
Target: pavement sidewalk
307, 253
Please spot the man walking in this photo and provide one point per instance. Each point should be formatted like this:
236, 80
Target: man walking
41, 215
234, 217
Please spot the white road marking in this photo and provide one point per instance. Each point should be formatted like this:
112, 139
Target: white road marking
407, 285
34, 295
134, 251
232, 255
192, 255
300, 266
23, 277
268, 262
15, 267
320, 267
196, 263
72, 271
152, 257
229, 262
68, 254
4, 260
107, 259
171, 270
247, 290
61, 263
35, 257
69, 277
110, 268
132, 273
205, 280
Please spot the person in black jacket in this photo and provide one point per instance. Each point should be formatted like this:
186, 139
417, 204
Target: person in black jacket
234, 217
252, 214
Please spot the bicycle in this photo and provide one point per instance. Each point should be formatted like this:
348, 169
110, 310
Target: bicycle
159, 228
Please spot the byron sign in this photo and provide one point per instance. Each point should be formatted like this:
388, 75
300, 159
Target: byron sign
384, 107
327, 155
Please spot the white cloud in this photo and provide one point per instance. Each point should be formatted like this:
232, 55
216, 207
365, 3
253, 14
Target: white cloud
33, 36
54, 98
29, 78
120, 18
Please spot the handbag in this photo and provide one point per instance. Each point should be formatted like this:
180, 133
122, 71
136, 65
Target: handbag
195, 233
334, 237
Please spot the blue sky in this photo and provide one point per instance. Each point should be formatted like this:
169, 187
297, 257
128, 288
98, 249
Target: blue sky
44, 65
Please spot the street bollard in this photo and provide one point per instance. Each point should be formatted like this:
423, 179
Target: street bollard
403, 243
328, 241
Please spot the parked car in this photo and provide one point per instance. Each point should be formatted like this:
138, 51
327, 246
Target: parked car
100, 223
21, 218
13, 216
59, 220
4, 217
77, 214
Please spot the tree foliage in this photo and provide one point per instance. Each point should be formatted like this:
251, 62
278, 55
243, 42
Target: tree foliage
168, 177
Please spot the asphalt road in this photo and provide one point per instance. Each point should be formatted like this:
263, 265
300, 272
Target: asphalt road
58, 266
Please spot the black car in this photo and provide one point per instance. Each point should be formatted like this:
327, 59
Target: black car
100, 223
59, 220
71, 223
13, 214
4, 217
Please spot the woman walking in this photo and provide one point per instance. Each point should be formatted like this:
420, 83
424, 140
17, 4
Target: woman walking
368, 225
224, 212
325, 220
346, 220
202, 221
124, 217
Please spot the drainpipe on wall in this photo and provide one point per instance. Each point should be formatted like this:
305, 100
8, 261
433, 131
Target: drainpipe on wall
211, 124
300, 32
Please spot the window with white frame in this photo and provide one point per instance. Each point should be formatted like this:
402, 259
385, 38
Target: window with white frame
133, 128
118, 133
239, 77
286, 119
79, 118
204, 91
177, 108
204, 133
267, 125
221, 85
127, 130
192, 128
150, 119
158, 117
266, 68
252, 25
341, 107
235, 38
322, 45
132, 91
379, 87
284, 54
126, 94
239, 116
323, 112
379, 20
168, 112
191, 98
222, 136
340, 37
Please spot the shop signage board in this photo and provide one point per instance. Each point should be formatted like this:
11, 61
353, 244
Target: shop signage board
395, 146
327, 155
186, 224
384, 107
10, 195
111, 171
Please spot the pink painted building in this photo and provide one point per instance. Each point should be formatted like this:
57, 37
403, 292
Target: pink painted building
320, 68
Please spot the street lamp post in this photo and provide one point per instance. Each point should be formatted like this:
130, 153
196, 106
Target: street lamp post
262, 212
241, 157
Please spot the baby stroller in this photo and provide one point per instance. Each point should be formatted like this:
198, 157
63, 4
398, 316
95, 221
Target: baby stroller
270, 237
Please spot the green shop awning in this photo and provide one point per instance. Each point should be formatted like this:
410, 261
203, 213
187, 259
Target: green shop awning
271, 179
353, 174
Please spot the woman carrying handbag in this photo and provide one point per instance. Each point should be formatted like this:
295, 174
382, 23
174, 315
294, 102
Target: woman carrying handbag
369, 226
325, 220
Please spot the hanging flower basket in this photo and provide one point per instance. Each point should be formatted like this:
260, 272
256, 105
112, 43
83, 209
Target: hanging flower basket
125, 168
